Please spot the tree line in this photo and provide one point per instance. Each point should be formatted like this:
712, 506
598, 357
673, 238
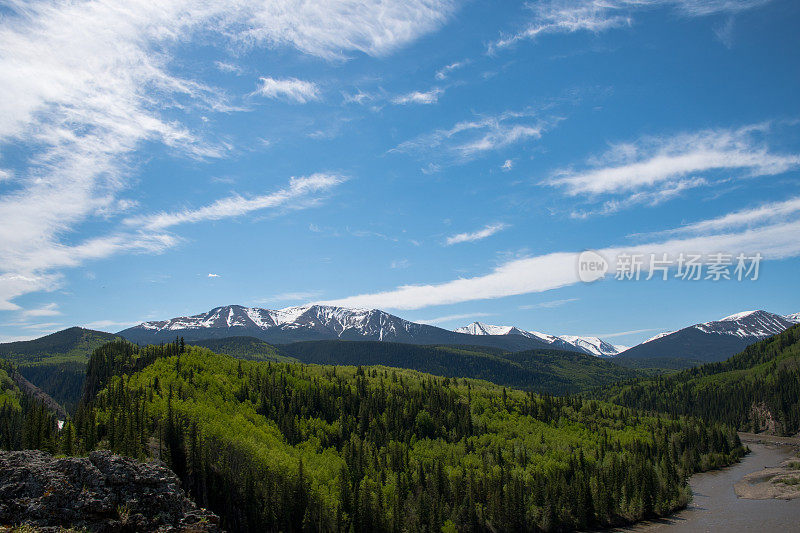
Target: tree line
276, 446
752, 390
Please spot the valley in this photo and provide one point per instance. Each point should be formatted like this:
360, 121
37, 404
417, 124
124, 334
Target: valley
377, 435
716, 504
399, 266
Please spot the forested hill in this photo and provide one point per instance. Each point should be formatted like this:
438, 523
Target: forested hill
69, 343
26, 417
9, 391
276, 446
56, 363
755, 390
550, 371
245, 348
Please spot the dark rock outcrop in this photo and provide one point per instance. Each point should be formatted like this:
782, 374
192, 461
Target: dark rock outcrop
100, 493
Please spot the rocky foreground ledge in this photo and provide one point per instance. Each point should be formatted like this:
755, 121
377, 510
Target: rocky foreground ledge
100, 493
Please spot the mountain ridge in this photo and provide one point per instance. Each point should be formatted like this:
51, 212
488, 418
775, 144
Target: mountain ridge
711, 341
312, 323
590, 345
705, 341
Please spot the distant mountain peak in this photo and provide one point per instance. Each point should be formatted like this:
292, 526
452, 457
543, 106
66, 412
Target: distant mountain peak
656, 337
327, 322
479, 328
332, 319
594, 345
794, 317
589, 345
715, 340
743, 314
320, 322
758, 324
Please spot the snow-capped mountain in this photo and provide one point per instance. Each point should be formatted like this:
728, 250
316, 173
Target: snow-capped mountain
656, 337
713, 341
479, 328
595, 345
314, 322
759, 324
590, 345
709, 341
327, 320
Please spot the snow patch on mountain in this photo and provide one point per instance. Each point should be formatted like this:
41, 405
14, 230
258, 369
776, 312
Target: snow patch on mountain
589, 345
656, 337
759, 324
336, 320
479, 328
756, 323
738, 316
593, 345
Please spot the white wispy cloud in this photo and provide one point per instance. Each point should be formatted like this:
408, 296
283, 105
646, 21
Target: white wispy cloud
42, 326
445, 71
745, 218
224, 66
551, 271
650, 198
451, 318
31, 268
623, 333
567, 17
418, 97
596, 16
299, 193
331, 29
103, 325
471, 138
50, 309
290, 296
653, 169
549, 305
358, 97
483, 233
724, 32
15, 338
291, 89
399, 263
86, 84
507, 165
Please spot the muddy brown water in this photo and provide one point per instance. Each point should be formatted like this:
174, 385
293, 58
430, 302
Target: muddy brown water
715, 506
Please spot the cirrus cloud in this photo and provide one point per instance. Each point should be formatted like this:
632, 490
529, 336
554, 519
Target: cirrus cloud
418, 97
469, 139
653, 169
596, 16
86, 85
559, 269
483, 233
291, 89
299, 193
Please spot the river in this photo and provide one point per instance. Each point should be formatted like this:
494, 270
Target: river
715, 506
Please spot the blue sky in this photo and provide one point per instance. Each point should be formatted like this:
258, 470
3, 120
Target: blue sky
445, 161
